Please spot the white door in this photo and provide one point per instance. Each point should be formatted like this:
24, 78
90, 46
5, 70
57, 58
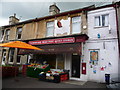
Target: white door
94, 71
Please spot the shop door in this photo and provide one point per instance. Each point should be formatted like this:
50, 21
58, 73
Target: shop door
75, 72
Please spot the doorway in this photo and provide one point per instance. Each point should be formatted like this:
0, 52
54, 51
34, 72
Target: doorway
75, 72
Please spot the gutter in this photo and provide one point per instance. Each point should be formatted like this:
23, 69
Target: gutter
117, 26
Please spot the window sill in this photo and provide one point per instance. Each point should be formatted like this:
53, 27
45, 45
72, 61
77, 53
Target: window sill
10, 62
100, 27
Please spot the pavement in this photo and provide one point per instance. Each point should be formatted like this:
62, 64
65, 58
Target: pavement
28, 82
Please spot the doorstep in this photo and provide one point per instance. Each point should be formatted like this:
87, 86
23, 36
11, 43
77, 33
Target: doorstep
75, 82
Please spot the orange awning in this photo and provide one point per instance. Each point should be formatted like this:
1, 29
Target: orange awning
19, 44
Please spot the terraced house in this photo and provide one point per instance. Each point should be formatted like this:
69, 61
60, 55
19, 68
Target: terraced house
84, 41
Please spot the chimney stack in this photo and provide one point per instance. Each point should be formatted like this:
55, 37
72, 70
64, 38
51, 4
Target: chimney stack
13, 19
53, 9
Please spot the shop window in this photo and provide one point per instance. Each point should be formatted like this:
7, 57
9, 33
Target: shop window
76, 25
19, 33
11, 54
60, 61
18, 58
102, 20
7, 34
50, 29
3, 56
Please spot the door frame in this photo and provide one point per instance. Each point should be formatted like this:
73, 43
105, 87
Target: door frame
75, 78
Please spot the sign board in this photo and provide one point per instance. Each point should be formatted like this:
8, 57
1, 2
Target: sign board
53, 41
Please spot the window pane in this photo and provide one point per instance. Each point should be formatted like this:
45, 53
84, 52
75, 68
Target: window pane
50, 31
50, 24
50, 28
97, 21
11, 54
19, 32
76, 25
4, 55
7, 34
105, 20
18, 59
76, 28
75, 19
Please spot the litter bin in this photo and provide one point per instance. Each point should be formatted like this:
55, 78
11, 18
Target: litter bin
107, 79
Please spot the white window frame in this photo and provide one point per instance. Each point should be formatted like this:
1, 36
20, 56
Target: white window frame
10, 54
101, 20
4, 56
48, 27
76, 22
19, 32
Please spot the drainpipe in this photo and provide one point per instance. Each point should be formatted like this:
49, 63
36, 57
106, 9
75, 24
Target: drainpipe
117, 23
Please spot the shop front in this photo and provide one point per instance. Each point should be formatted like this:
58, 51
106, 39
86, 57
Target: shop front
59, 53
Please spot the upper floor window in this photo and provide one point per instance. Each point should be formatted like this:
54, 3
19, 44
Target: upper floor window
102, 20
50, 29
76, 25
1, 34
7, 34
19, 33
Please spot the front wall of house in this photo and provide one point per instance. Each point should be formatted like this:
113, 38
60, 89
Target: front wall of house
41, 29
29, 31
12, 33
101, 54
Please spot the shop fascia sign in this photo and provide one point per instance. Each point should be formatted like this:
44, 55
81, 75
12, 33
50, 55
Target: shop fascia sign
53, 41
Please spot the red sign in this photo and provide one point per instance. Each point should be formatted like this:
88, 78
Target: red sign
53, 41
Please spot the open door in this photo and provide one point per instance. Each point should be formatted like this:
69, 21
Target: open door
75, 72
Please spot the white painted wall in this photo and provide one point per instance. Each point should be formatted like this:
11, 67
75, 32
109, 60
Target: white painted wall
107, 46
103, 31
109, 54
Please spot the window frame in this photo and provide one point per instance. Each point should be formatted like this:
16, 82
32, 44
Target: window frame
11, 55
101, 20
73, 22
17, 59
7, 34
3, 55
49, 26
17, 33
